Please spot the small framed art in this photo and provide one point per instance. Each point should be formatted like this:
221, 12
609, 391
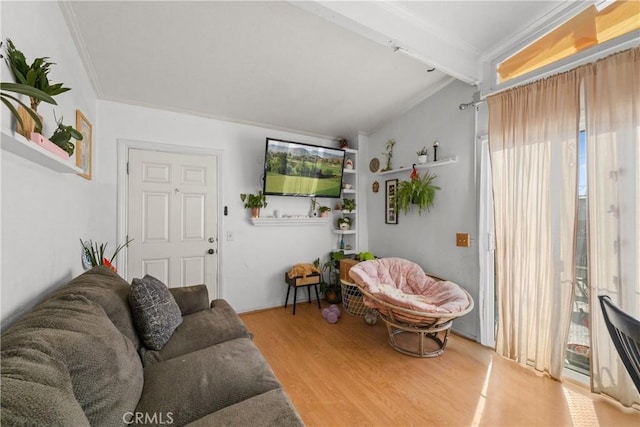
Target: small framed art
84, 148
390, 214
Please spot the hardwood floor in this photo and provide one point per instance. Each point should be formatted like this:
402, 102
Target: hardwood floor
346, 374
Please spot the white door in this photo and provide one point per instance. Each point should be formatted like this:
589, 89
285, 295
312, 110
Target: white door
172, 218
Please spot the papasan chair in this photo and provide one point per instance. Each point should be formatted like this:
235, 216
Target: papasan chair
411, 302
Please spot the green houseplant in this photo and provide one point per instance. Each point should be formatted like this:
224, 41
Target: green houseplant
19, 88
344, 223
94, 254
324, 211
62, 137
330, 284
254, 202
348, 205
36, 76
417, 191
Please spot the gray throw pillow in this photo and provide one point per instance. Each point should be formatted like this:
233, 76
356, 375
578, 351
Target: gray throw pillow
155, 312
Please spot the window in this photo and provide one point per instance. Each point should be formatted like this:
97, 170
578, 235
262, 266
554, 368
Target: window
579, 344
587, 29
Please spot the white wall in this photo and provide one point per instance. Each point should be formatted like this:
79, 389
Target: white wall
253, 264
429, 240
44, 213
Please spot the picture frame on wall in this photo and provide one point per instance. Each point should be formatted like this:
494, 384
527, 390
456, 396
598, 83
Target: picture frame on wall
390, 214
84, 148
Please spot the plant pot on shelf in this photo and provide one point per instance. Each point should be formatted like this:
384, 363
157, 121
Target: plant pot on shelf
48, 145
28, 124
344, 226
255, 212
422, 159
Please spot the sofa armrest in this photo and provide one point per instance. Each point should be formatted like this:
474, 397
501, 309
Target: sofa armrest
191, 299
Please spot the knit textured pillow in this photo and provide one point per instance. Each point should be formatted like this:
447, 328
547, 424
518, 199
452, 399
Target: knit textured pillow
155, 312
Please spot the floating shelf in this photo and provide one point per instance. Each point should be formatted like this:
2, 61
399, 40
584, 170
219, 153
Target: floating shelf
350, 191
31, 151
427, 165
337, 231
272, 221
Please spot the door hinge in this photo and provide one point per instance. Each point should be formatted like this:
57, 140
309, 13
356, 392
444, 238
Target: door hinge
127, 168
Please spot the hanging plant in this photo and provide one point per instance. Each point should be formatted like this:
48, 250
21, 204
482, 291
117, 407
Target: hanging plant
417, 191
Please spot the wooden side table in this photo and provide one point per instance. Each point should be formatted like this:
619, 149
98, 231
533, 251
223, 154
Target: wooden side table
299, 281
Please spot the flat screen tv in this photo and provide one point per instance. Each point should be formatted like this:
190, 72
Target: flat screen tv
304, 170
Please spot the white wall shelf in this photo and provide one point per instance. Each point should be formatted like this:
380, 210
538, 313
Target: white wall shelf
36, 154
338, 231
447, 161
274, 222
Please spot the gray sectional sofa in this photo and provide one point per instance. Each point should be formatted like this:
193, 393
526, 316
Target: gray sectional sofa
77, 359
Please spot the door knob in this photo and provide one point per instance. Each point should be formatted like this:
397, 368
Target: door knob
211, 251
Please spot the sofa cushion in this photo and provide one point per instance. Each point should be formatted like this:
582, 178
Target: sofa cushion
196, 384
191, 299
272, 408
104, 287
64, 353
37, 392
199, 330
155, 312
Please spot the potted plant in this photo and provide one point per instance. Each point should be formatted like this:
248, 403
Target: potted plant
389, 154
93, 254
344, 223
417, 191
422, 155
22, 89
348, 205
331, 288
254, 202
35, 75
324, 211
62, 136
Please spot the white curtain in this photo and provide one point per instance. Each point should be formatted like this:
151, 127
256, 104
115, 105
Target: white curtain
612, 98
533, 132
486, 250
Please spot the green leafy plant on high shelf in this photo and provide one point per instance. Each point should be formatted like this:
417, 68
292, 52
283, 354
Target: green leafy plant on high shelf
62, 137
389, 154
35, 75
8, 88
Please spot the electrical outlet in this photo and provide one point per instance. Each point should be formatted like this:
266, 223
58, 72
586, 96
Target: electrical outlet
462, 240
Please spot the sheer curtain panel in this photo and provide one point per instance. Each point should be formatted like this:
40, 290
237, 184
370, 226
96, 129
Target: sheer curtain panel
533, 132
612, 98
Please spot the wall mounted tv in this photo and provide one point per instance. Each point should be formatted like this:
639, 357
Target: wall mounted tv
305, 170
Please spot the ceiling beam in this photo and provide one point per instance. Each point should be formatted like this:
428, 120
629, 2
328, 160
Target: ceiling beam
395, 27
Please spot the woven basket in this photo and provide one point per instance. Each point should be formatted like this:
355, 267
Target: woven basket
352, 299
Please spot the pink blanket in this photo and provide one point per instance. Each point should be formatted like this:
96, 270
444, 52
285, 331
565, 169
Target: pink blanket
402, 283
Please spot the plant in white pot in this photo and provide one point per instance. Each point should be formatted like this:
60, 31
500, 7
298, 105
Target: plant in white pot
422, 155
344, 223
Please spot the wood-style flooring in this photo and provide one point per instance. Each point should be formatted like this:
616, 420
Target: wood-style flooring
346, 374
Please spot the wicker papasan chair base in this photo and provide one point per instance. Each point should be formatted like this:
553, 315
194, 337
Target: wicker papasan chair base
417, 312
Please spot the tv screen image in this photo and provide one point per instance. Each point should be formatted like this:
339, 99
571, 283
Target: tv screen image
305, 170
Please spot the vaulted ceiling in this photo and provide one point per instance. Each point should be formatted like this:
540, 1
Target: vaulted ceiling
325, 68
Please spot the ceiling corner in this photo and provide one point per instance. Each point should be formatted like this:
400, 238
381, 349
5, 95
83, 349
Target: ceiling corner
76, 35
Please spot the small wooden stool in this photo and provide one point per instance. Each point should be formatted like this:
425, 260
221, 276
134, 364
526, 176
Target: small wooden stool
299, 281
